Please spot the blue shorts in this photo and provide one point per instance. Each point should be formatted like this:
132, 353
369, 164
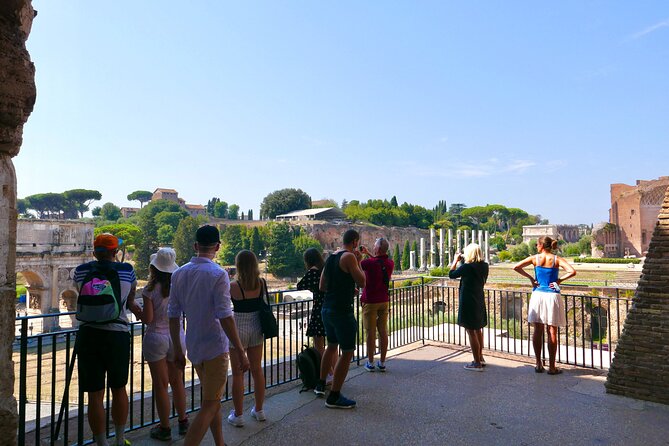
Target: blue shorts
340, 328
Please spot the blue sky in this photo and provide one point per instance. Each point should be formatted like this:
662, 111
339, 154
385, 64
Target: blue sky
534, 105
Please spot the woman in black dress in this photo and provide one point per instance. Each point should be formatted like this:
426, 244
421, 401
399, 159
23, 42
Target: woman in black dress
313, 261
472, 313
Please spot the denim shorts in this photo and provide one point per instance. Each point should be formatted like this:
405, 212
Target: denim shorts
340, 328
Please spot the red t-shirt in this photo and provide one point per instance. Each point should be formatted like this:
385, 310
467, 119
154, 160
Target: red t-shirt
375, 291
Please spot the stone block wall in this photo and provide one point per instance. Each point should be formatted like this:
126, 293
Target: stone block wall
640, 367
17, 97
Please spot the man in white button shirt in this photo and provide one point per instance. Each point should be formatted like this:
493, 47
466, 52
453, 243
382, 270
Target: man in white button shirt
201, 290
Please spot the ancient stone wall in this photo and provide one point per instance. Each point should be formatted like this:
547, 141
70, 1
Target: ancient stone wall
17, 97
640, 366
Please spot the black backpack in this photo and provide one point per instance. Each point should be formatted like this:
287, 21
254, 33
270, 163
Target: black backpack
99, 298
309, 366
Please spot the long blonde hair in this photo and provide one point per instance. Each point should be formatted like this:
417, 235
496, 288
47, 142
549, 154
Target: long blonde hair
248, 273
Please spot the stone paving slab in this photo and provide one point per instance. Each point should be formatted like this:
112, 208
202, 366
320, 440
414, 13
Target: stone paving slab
427, 398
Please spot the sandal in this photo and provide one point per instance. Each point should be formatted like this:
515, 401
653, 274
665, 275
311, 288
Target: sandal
538, 369
555, 372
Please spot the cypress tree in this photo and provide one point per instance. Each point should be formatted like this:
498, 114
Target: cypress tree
396, 257
406, 256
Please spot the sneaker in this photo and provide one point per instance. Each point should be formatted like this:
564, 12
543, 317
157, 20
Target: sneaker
319, 390
183, 426
341, 403
474, 367
237, 421
369, 367
381, 366
259, 415
161, 433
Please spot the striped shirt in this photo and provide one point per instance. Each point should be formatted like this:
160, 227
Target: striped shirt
126, 275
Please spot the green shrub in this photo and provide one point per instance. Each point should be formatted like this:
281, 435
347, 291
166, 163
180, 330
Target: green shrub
594, 260
441, 271
20, 289
504, 256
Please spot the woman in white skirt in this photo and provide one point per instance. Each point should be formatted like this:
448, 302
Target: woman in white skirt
247, 294
546, 304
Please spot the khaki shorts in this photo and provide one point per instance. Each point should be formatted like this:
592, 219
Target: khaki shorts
213, 375
375, 316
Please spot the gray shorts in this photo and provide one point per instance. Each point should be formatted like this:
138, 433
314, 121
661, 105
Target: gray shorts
157, 345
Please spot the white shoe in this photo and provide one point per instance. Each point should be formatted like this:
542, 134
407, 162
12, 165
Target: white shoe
259, 415
237, 421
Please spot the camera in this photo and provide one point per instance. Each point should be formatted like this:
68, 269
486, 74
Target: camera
361, 248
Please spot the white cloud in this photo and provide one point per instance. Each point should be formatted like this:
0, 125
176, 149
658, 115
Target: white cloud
486, 168
650, 29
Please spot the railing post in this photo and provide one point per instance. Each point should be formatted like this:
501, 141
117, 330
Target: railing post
422, 308
23, 378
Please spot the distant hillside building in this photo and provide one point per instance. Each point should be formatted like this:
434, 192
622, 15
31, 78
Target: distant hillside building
128, 212
172, 195
326, 214
634, 211
568, 233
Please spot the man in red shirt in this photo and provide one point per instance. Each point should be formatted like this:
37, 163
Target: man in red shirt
375, 300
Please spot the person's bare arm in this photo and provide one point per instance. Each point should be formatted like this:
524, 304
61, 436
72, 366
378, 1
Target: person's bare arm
351, 265
230, 328
323, 283
144, 314
175, 335
520, 269
571, 272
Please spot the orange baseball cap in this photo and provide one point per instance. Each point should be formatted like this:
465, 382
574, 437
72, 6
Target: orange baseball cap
106, 242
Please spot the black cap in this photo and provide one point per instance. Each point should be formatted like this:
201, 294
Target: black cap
207, 235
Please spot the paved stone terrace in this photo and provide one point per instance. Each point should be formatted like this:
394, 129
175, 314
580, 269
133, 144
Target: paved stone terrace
427, 398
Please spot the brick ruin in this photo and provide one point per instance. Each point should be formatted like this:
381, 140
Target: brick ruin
17, 97
640, 367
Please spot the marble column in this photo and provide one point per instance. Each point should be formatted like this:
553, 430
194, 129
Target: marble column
458, 246
431, 262
441, 247
450, 246
412, 260
466, 241
422, 254
487, 247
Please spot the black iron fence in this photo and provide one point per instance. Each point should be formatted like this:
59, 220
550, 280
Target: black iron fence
422, 309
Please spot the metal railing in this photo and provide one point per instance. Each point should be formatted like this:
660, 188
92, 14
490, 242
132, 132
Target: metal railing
422, 309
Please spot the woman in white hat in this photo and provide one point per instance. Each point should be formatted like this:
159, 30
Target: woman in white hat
157, 345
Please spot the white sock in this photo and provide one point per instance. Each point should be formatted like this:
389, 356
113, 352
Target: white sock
120, 433
100, 439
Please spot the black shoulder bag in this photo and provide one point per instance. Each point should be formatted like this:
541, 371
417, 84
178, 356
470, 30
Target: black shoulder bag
270, 327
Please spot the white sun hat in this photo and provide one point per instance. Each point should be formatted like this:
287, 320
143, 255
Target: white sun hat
164, 260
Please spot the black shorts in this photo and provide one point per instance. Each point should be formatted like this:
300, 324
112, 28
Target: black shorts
340, 328
102, 352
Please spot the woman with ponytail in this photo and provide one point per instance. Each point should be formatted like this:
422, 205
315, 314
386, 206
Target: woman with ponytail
546, 304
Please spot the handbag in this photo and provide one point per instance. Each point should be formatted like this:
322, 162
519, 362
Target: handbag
268, 323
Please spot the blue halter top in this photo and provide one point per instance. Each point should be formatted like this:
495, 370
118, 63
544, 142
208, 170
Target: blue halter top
545, 276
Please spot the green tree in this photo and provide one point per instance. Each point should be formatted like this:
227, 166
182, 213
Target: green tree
406, 256
498, 242
96, 211
249, 215
148, 243
143, 196
211, 204
233, 212
48, 205
283, 201
281, 260
300, 244
21, 205
165, 234
110, 212
184, 239
81, 199
231, 243
393, 202
170, 218
255, 242
128, 232
221, 209
397, 258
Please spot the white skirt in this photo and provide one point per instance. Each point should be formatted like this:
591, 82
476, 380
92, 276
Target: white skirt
547, 308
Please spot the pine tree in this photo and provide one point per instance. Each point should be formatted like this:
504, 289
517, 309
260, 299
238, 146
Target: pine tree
281, 261
406, 256
255, 242
397, 258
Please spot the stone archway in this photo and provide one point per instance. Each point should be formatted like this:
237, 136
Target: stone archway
35, 287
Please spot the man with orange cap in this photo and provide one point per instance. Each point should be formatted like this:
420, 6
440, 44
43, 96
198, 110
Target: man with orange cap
104, 347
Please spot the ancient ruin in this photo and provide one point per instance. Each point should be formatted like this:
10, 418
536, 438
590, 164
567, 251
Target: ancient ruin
17, 97
639, 368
